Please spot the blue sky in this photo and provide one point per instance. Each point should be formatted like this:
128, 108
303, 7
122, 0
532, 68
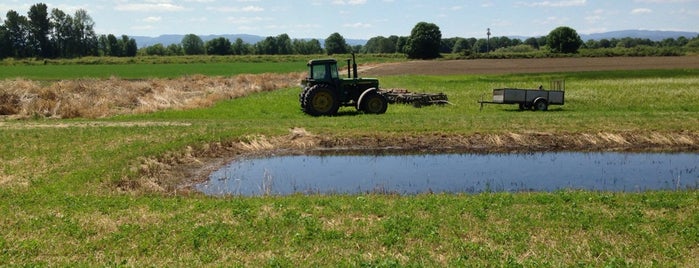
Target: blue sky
363, 19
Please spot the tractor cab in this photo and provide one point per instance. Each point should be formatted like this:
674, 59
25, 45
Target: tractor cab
324, 91
323, 71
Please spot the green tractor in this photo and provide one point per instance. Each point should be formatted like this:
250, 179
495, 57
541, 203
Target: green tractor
324, 91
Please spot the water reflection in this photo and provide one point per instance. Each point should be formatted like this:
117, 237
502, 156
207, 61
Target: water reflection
466, 173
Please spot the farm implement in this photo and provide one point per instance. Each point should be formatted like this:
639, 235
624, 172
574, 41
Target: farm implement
324, 91
403, 96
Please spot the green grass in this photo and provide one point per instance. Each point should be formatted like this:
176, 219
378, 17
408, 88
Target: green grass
61, 207
138, 71
168, 67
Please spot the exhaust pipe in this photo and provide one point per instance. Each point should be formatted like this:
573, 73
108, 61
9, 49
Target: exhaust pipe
354, 65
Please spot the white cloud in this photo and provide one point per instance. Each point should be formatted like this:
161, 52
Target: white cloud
593, 19
662, 1
641, 11
684, 11
200, 19
357, 25
150, 7
246, 20
152, 19
553, 20
237, 9
349, 2
143, 27
564, 3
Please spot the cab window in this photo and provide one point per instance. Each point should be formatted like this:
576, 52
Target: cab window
318, 72
333, 71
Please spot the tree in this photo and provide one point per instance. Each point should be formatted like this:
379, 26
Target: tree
335, 44
309, 47
480, 46
240, 47
192, 45
5, 45
62, 25
532, 41
174, 50
84, 34
156, 50
380, 44
130, 48
17, 26
39, 27
424, 41
401, 42
284, 46
564, 40
268, 46
113, 47
461, 46
218, 46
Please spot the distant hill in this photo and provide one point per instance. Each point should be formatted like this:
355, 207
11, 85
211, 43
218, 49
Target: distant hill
144, 41
643, 34
168, 39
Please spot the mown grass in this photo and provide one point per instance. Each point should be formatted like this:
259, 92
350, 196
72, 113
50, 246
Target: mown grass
168, 67
60, 204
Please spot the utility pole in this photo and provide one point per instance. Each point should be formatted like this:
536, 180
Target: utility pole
487, 42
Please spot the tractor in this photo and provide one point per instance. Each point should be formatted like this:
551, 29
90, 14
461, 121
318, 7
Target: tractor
324, 91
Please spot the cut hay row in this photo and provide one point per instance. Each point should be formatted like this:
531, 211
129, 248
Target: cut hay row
98, 98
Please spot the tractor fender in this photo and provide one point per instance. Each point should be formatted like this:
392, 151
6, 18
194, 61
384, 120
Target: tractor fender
361, 97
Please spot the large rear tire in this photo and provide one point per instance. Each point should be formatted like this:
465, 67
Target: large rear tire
374, 103
302, 96
320, 100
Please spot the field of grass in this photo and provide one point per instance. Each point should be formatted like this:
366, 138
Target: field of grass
166, 67
62, 206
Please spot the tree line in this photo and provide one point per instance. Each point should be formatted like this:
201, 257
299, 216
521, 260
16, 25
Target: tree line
55, 34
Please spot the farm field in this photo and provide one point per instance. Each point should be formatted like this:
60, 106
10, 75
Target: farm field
107, 188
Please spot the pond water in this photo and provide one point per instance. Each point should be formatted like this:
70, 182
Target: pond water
455, 173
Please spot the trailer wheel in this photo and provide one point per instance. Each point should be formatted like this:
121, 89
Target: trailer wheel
541, 105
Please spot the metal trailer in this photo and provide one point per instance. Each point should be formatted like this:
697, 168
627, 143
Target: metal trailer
534, 99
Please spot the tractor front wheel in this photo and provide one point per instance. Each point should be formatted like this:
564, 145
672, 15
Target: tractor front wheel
374, 103
320, 100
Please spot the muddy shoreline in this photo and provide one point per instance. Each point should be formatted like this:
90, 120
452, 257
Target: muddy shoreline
177, 172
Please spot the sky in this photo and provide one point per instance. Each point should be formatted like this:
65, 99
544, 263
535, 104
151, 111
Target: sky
364, 19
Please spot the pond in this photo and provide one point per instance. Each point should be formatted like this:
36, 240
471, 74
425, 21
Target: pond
454, 173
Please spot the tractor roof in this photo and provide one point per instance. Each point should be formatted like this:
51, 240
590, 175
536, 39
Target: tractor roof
321, 61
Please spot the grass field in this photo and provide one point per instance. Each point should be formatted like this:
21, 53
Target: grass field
64, 203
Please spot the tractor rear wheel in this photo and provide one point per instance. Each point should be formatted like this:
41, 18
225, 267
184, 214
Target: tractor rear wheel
374, 103
320, 100
302, 95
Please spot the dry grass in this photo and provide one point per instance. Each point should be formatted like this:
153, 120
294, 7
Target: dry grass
95, 98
